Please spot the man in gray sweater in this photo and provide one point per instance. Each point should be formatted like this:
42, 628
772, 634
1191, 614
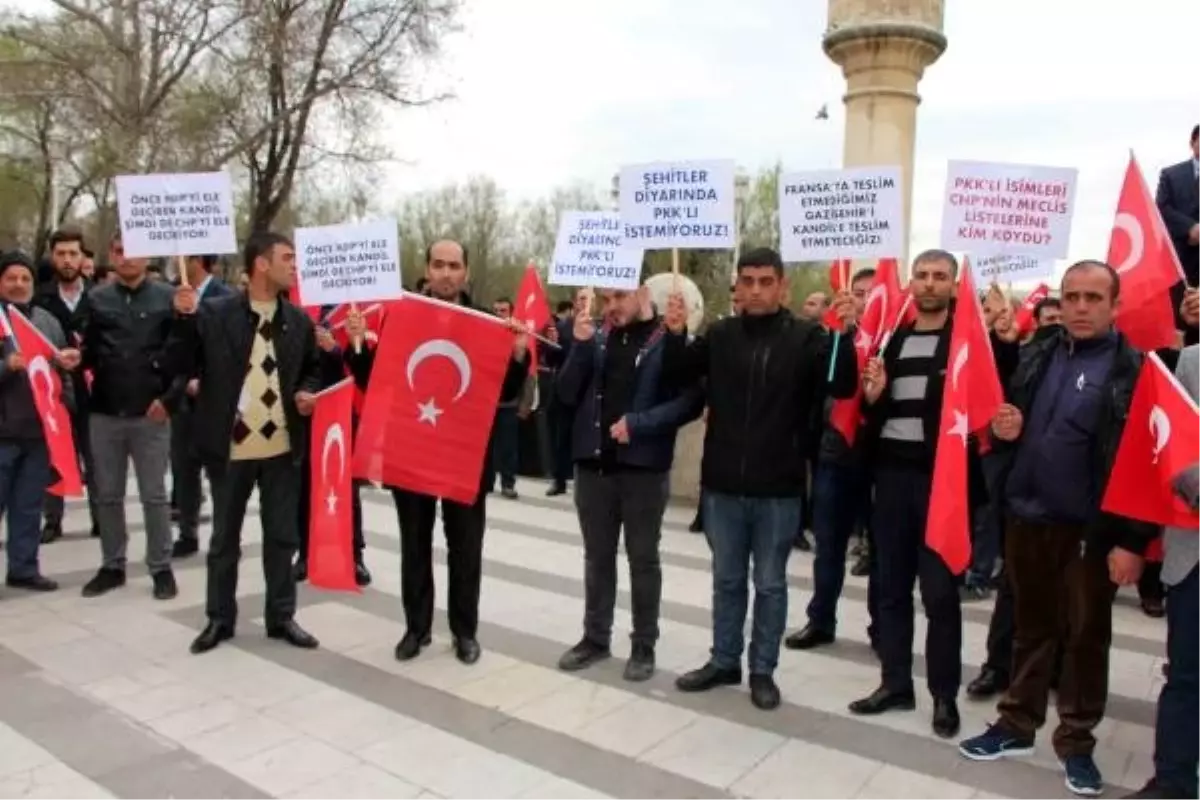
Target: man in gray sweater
1177, 731
24, 458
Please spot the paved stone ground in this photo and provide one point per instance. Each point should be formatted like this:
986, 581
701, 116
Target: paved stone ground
100, 698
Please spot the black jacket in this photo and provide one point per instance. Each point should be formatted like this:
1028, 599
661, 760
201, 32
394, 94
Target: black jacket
766, 377
124, 344
215, 343
1179, 202
1106, 530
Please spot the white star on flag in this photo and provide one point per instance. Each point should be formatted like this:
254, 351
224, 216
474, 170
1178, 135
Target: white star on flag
959, 428
331, 502
428, 412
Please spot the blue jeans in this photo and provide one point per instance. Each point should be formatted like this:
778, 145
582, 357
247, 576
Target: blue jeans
840, 494
738, 528
1176, 738
24, 476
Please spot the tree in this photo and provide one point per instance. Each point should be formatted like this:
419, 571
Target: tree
302, 81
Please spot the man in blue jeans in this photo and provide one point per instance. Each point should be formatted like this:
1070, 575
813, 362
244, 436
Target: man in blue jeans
1177, 731
766, 371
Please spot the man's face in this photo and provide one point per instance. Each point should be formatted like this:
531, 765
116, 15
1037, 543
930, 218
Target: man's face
814, 306
932, 285
859, 291
761, 290
127, 269
993, 303
66, 258
16, 285
279, 266
620, 306
502, 309
1049, 315
446, 272
87, 267
1087, 303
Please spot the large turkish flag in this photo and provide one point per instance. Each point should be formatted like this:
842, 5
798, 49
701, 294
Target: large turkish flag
432, 398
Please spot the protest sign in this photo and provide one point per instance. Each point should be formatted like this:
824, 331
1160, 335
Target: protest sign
828, 214
687, 205
1008, 208
590, 251
1010, 269
186, 214
352, 263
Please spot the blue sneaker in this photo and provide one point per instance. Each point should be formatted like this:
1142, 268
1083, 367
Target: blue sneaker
1083, 777
994, 744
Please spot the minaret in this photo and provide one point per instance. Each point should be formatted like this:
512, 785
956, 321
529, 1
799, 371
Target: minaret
883, 48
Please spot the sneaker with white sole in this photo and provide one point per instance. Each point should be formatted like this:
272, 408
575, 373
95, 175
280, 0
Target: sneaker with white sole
994, 744
1083, 776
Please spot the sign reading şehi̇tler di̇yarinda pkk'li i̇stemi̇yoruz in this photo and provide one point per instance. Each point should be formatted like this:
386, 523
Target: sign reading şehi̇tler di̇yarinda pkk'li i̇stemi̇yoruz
351, 263
590, 251
183, 214
994, 208
857, 212
686, 205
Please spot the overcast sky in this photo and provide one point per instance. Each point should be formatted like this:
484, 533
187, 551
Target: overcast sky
551, 91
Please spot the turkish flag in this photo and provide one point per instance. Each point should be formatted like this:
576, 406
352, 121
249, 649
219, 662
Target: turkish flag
46, 385
1024, 321
1141, 251
532, 309
970, 398
880, 307
331, 511
1161, 439
432, 398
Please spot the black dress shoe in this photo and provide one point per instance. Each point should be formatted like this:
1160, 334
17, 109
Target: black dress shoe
300, 571
708, 677
807, 638
640, 666
51, 532
165, 587
32, 583
185, 546
213, 634
509, 493
105, 581
411, 645
945, 717
467, 650
556, 489
764, 693
883, 699
583, 655
362, 575
697, 525
987, 684
293, 634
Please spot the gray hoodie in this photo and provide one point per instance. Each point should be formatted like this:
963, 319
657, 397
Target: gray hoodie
19, 418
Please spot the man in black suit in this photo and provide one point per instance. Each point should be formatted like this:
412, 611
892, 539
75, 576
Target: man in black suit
65, 296
255, 357
1179, 202
186, 489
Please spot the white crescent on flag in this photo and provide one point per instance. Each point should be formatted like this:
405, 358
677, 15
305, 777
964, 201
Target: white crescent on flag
1160, 428
960, 361
334, 436
446, 349
39, 367
1137, 240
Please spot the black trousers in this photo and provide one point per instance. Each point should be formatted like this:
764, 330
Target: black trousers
187, 492
278, 482
608, 503
463, 527
902, 559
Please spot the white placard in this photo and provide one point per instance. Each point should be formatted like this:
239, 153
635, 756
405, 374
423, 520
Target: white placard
1010, 269
590, 251
184, 214
1020, 209
351, 263
688, 205
857, 212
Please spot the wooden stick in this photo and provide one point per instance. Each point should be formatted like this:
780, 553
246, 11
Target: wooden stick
356, 342
181, 265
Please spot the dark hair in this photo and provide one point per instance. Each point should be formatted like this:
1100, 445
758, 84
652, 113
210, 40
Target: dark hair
504, 300
936, 254
1196, 133
1090, 263
260, 245
429, 251
208, 262
101, 272
564, 306
87, 252
65, 236
1045, 302
761, 257
862, 274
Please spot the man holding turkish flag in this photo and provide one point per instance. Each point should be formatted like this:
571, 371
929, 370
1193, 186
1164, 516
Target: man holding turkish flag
331, 561
1144, 257
1069, 401
35, 428
426, 419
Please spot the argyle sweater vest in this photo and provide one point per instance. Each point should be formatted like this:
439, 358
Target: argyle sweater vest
260, 426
